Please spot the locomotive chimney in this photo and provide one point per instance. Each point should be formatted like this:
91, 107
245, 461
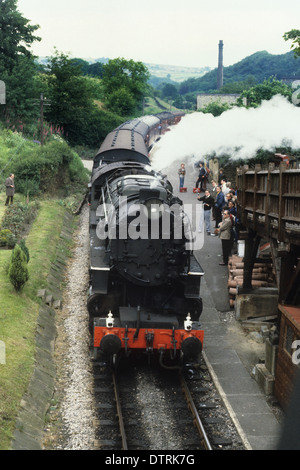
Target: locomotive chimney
220, 66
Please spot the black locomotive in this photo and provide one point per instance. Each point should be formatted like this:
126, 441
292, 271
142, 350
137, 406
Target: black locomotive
144, 283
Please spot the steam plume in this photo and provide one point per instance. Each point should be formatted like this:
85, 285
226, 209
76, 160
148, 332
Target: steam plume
239, 132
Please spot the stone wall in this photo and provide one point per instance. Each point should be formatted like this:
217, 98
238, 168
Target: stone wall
206, 98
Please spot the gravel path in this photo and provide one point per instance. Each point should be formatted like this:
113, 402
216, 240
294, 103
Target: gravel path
75, 376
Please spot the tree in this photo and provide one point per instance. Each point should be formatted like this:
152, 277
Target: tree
17, 66
18, 270
95, 70
70, 96
130, 76
293, 35
24, 248
121, 101
216, 108
239, 86
75, 102
265, 91
16, 35
169, 91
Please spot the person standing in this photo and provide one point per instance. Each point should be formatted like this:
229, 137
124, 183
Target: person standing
233, 214
208, 203
224, 186
213, 191
10, 189
213, 194
225, 234
221, 176
201, 178
181, 173
219, 205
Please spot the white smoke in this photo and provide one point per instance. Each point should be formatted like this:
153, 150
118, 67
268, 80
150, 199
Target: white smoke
239, 132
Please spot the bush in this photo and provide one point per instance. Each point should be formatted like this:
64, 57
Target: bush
24, 248
49, 169
18, 270
19, 215
7, 238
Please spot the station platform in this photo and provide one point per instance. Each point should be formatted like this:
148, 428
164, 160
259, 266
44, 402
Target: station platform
229, 352
230, 357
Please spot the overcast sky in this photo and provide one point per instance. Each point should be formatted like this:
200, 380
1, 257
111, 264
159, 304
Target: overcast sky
171, 32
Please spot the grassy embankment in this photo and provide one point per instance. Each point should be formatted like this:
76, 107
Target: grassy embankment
151, 106
19, 312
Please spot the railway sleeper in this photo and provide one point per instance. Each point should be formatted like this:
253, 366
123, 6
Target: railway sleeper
221, 441
207, 406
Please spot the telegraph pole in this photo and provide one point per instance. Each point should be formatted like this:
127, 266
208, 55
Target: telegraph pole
42, 117
43, 103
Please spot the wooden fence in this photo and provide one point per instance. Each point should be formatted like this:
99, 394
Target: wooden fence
269, 202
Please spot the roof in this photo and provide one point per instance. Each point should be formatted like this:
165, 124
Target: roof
126, 142
137, 125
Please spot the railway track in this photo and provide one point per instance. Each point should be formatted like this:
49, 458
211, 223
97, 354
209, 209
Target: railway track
147, 408
205, 442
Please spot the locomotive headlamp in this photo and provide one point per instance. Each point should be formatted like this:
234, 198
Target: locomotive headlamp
153, 208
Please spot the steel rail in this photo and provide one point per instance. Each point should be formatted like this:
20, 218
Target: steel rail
197, 421
120, 415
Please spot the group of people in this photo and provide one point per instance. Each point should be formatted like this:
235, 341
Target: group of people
219, 204
202, 176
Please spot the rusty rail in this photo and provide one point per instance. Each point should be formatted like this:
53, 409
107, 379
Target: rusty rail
197, 420
119, 412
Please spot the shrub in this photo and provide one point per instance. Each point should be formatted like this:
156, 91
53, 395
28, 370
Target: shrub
49, 169
22, 245
18, 270
19, 215
7, 238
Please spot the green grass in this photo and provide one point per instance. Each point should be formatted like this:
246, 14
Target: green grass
151, 106
19, 312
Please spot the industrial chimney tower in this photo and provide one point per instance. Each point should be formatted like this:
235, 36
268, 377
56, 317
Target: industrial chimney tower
220, 66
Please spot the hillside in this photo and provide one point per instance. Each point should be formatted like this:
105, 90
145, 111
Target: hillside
260, 66
173, 73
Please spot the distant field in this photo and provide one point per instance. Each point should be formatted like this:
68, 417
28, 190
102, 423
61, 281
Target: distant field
176, 73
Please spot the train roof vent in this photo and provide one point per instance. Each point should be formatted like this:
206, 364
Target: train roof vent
132, 141
115, 139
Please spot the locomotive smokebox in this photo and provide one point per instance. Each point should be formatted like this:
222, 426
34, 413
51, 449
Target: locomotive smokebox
191, 347
111, 344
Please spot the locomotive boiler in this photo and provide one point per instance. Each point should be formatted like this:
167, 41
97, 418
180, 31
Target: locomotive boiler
144, 293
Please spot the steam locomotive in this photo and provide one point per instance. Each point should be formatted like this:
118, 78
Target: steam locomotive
144, 293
